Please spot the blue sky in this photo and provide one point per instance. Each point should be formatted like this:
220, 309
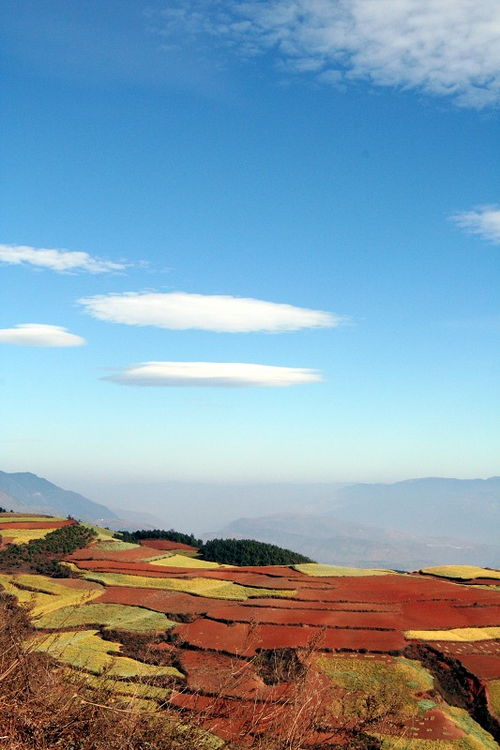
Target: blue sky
248, 156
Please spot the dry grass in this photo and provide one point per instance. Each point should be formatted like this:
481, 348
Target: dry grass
493, 689
43, 707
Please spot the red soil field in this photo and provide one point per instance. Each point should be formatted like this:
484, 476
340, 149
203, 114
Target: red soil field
324, 606
157, 600
129, 568
428, 616
166, 544
434, 725
127, 555
397, 589
316, 618
35, 524
482, 665
246, 640
218, 674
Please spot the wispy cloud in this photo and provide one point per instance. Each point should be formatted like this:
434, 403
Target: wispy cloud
182, 311
62, 261
441, 47
483, 221
212, 374
39, 334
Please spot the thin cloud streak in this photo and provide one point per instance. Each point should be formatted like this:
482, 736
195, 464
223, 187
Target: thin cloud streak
483, 221
61, 261
221, 313
441, 47
39, 334
212, 375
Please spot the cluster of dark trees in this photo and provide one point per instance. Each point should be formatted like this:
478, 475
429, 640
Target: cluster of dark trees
171, 535
249, 552
227, 551
43, 555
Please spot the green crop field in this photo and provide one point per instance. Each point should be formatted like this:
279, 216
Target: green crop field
114, 545
115, 616
86, 650
315, 569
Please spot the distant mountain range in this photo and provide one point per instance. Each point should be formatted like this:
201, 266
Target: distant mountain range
329, 540
24, 491
407, 525
464, 508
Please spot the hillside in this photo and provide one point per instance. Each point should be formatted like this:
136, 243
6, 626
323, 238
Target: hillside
364, 657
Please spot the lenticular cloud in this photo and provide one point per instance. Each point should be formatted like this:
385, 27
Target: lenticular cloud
212, 374
38, 334
182, 311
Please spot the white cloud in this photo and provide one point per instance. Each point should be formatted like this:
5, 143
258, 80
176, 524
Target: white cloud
212, 374
484, 221
181, 311
56, 260
38, 334
441, 47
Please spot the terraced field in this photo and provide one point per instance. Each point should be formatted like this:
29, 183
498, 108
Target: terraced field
412, 659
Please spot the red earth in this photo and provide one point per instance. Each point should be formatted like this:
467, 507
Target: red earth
218, 641
166, 544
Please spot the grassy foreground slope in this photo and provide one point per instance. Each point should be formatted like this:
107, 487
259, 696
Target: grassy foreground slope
291, 656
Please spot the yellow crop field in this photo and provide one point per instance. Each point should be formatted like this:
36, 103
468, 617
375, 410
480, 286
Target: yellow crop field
182, 561
207, 587
47, 594
455, 634
315, 569
22, 536
84, 649
12, 517
463, 572
119, 616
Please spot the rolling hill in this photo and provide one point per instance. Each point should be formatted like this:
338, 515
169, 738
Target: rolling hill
365, 659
